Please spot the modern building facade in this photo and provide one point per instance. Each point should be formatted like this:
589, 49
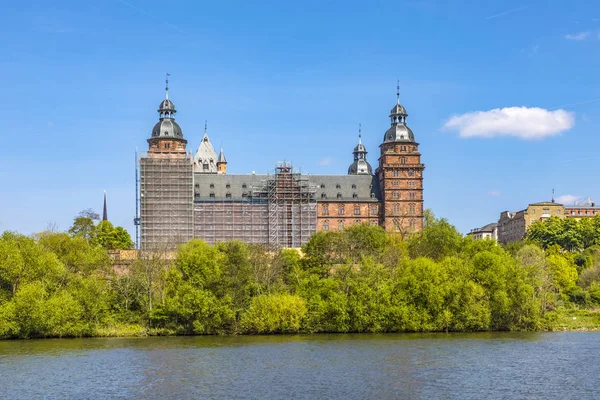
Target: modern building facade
512, 226
185, 195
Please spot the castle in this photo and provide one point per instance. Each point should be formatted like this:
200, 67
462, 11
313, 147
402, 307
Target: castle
184, 195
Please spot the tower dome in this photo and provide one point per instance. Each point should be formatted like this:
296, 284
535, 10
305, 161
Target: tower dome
398, 131
360, 166
166, 127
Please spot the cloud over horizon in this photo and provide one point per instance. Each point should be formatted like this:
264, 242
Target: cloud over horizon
325, 162
567, 199
527, 123
577, 36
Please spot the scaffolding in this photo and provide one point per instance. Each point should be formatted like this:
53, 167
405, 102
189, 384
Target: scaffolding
292, 207
166, 202
226, 219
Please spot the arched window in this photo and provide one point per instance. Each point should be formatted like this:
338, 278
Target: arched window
341, 225
396, 195
412, 195
341, 209
356, 209
396, 208
373, 210
411, 208
325, 225
325, 209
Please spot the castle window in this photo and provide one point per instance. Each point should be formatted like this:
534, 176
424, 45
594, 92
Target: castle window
322, 186
396, 174
396, 184
325, 209
325, 225
354, 186
212, 185
412, 224
341, 209
197, 185
374, 210
244, 186
357, 210
244, 194
403, 148
355, 195
396, 208
372, 195
403, 161
411, 184
340, 225
357, 221
323, 195
228, 186
373, 222
228, 195
196, 194
411, 208
396, 195
338, 186
412, 195
205, 167
212, 195
339, 195
411, 173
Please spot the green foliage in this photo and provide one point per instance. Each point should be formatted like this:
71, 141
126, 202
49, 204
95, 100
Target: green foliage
358, 280
278, 313
568, 233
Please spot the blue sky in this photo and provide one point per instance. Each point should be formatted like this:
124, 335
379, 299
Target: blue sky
292, 80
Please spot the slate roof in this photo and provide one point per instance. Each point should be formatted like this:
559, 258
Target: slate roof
347, 187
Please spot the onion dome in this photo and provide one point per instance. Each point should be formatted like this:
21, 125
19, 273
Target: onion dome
398, 131
360, 166
166, 127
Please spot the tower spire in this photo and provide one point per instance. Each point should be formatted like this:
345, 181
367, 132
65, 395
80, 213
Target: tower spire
167, 86
104, 213
398, 91
205, 126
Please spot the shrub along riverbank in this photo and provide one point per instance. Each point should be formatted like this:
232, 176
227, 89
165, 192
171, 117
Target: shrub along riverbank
359, 280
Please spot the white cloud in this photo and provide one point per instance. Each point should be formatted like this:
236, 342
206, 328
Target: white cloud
577, 36
494, 193
567, 199
325, 162
521, 122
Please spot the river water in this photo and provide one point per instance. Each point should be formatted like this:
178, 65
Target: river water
562, 365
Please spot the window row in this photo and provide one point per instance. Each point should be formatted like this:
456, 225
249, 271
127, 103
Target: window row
342, 210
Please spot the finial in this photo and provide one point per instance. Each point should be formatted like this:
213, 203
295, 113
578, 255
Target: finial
359, 133
398, 91
104, 213
167, 86
553, 195
205, 126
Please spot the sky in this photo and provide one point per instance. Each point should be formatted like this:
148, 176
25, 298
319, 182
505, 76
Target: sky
503, 96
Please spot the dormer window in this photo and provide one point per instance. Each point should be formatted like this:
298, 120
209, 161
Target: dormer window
354, 186
338, 186
322, 186
228, 195
212, 185
355, 195
339, 195
244, 186
323, 195
228, 186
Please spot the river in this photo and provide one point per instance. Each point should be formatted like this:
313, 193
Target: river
394, 366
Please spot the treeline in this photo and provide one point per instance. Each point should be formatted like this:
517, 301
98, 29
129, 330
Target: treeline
358, 280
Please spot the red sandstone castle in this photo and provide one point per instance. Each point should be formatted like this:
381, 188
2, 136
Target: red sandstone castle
185, 195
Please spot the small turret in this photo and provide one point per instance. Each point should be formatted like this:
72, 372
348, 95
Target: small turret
221, 163
360, 166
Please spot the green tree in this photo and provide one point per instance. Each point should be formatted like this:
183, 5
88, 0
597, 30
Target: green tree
276, 313
112, 238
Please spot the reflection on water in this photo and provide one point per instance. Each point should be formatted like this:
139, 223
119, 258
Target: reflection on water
486, 365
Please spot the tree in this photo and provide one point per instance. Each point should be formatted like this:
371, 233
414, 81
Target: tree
112, 238
83, 224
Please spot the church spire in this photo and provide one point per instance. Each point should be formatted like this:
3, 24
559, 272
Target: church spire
398, 91
104, 213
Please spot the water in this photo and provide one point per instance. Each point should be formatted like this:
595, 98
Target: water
405, 366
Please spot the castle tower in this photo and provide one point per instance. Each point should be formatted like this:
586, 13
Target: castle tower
205, 160
360, 166
221, 163
400, 175
166, 184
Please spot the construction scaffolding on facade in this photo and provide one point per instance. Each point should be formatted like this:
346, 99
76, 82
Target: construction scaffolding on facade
292, 208
166, 202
